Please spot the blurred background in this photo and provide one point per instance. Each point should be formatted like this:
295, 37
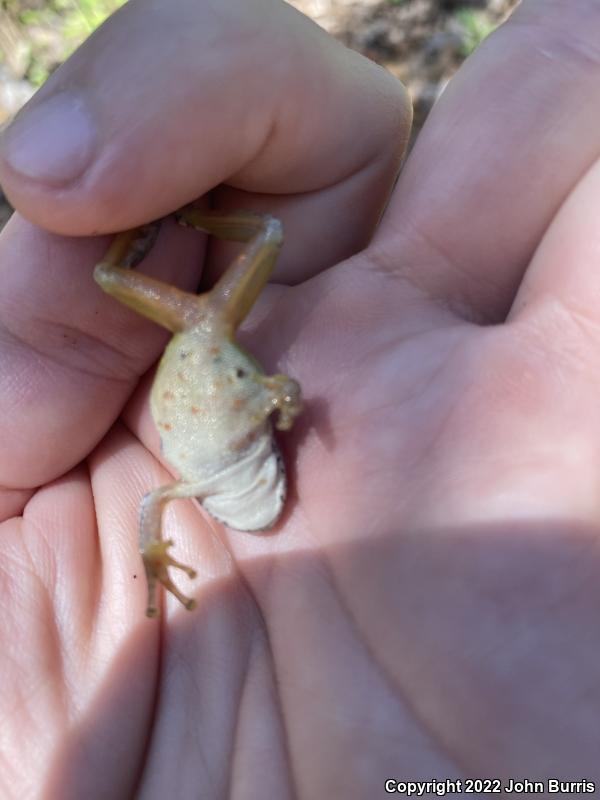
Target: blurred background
422, 42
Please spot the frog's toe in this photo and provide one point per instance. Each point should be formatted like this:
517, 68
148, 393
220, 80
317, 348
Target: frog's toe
156, 562
186, 601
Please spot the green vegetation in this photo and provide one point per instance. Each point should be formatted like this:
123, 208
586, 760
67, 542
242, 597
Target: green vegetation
38, 35
476, 27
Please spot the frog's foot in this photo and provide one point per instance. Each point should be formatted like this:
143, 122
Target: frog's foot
284, 397
129, 248
156, 562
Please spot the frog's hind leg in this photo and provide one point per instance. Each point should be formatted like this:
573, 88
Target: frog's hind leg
164, 304
236, 291
154, 549
131, 247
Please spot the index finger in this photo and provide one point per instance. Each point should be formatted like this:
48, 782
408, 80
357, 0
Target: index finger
168, 100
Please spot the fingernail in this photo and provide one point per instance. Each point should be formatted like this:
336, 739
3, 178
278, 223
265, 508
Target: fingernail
52, 142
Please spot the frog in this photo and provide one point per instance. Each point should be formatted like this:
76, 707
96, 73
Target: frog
212, 403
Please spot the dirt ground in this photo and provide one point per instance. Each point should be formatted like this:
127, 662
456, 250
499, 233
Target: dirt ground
422, 42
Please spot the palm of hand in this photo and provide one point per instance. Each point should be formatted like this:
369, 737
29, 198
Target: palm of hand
429, 606
388, 596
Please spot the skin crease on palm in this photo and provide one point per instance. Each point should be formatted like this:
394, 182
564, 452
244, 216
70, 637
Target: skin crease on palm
428, 606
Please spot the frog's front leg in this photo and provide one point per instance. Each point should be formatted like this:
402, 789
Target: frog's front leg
154, 549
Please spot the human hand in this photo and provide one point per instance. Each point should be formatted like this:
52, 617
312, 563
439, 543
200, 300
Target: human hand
428, 607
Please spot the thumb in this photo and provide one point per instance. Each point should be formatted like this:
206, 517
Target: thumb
167, 100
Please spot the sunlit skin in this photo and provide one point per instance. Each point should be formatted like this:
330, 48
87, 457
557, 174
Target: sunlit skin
210, 400
429, 603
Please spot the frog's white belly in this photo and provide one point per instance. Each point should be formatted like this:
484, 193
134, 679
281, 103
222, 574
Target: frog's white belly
249, 494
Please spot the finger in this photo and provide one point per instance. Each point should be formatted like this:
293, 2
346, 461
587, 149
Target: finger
507, 141
69, 355
560, 293
167, 101
537, 381
65, 592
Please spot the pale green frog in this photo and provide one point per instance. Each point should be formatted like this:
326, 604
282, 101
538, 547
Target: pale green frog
210, 400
